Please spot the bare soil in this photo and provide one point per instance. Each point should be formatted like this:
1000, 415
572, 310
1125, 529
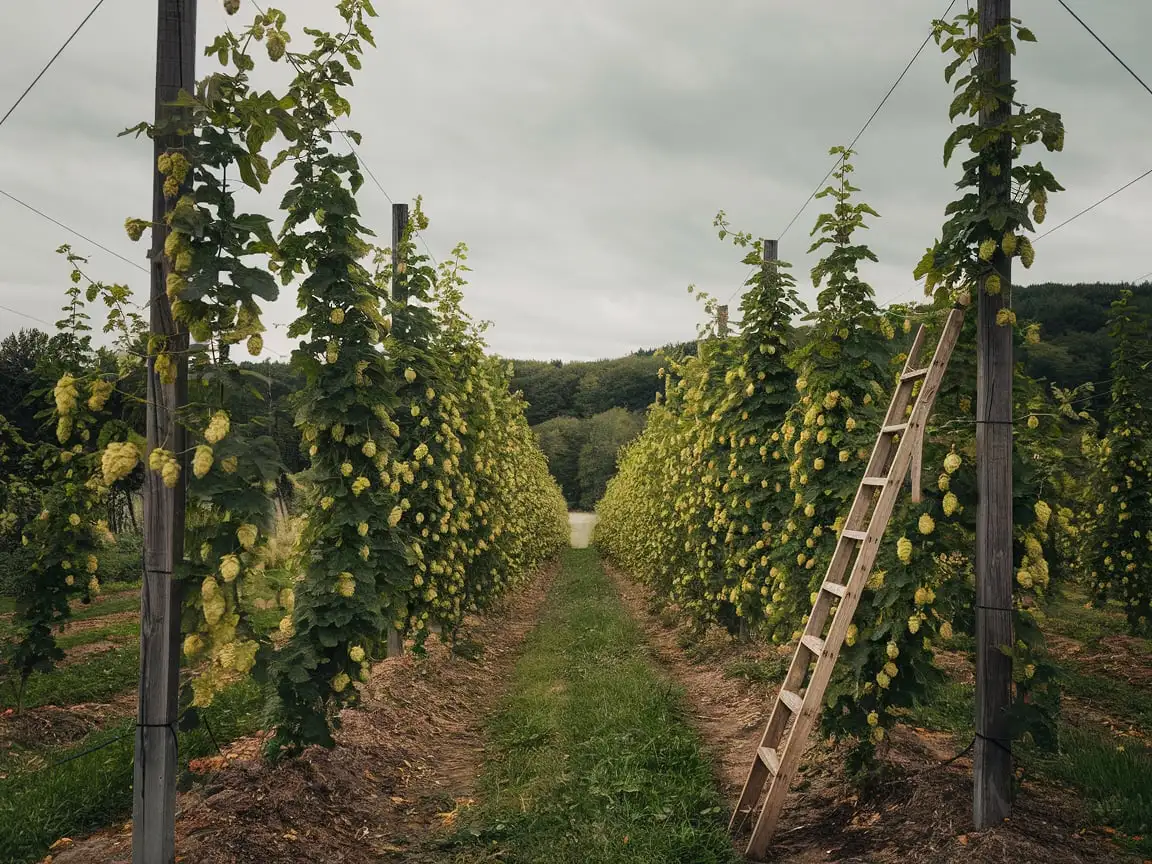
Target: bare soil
405, 765
920, 814
39, 730
1125, 658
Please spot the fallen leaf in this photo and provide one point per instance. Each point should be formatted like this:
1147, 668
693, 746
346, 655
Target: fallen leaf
962, 839
448, 818
61, 843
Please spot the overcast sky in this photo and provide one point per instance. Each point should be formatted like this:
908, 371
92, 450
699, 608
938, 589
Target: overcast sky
581, 149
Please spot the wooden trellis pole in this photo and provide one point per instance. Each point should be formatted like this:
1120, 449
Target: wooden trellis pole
155, 768
399, 327
992, 755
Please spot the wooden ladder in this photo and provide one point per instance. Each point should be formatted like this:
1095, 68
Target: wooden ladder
897, 451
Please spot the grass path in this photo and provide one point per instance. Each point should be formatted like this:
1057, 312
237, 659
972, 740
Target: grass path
590, 759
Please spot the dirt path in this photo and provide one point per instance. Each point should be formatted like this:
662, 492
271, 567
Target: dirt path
405, 764
582, 525
920, 814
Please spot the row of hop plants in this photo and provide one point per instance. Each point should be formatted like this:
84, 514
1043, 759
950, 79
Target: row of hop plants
55, 493
730, 503
426, 496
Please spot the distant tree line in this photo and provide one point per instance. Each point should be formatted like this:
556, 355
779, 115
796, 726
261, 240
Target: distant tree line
1075, 346
584, 411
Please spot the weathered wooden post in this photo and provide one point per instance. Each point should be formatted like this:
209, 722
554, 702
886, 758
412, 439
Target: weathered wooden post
992, 755
399, 327
154, 772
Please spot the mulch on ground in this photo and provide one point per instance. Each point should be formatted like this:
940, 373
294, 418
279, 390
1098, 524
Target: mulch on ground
921, 814
405, 763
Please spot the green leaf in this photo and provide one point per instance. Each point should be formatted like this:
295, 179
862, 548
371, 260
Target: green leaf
257, 283
244, 165
138, 130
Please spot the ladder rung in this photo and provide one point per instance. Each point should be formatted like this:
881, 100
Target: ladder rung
875, 481
836, 588
793, 701
892, 430
770, 759
814, 644
855, 535
914, 374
